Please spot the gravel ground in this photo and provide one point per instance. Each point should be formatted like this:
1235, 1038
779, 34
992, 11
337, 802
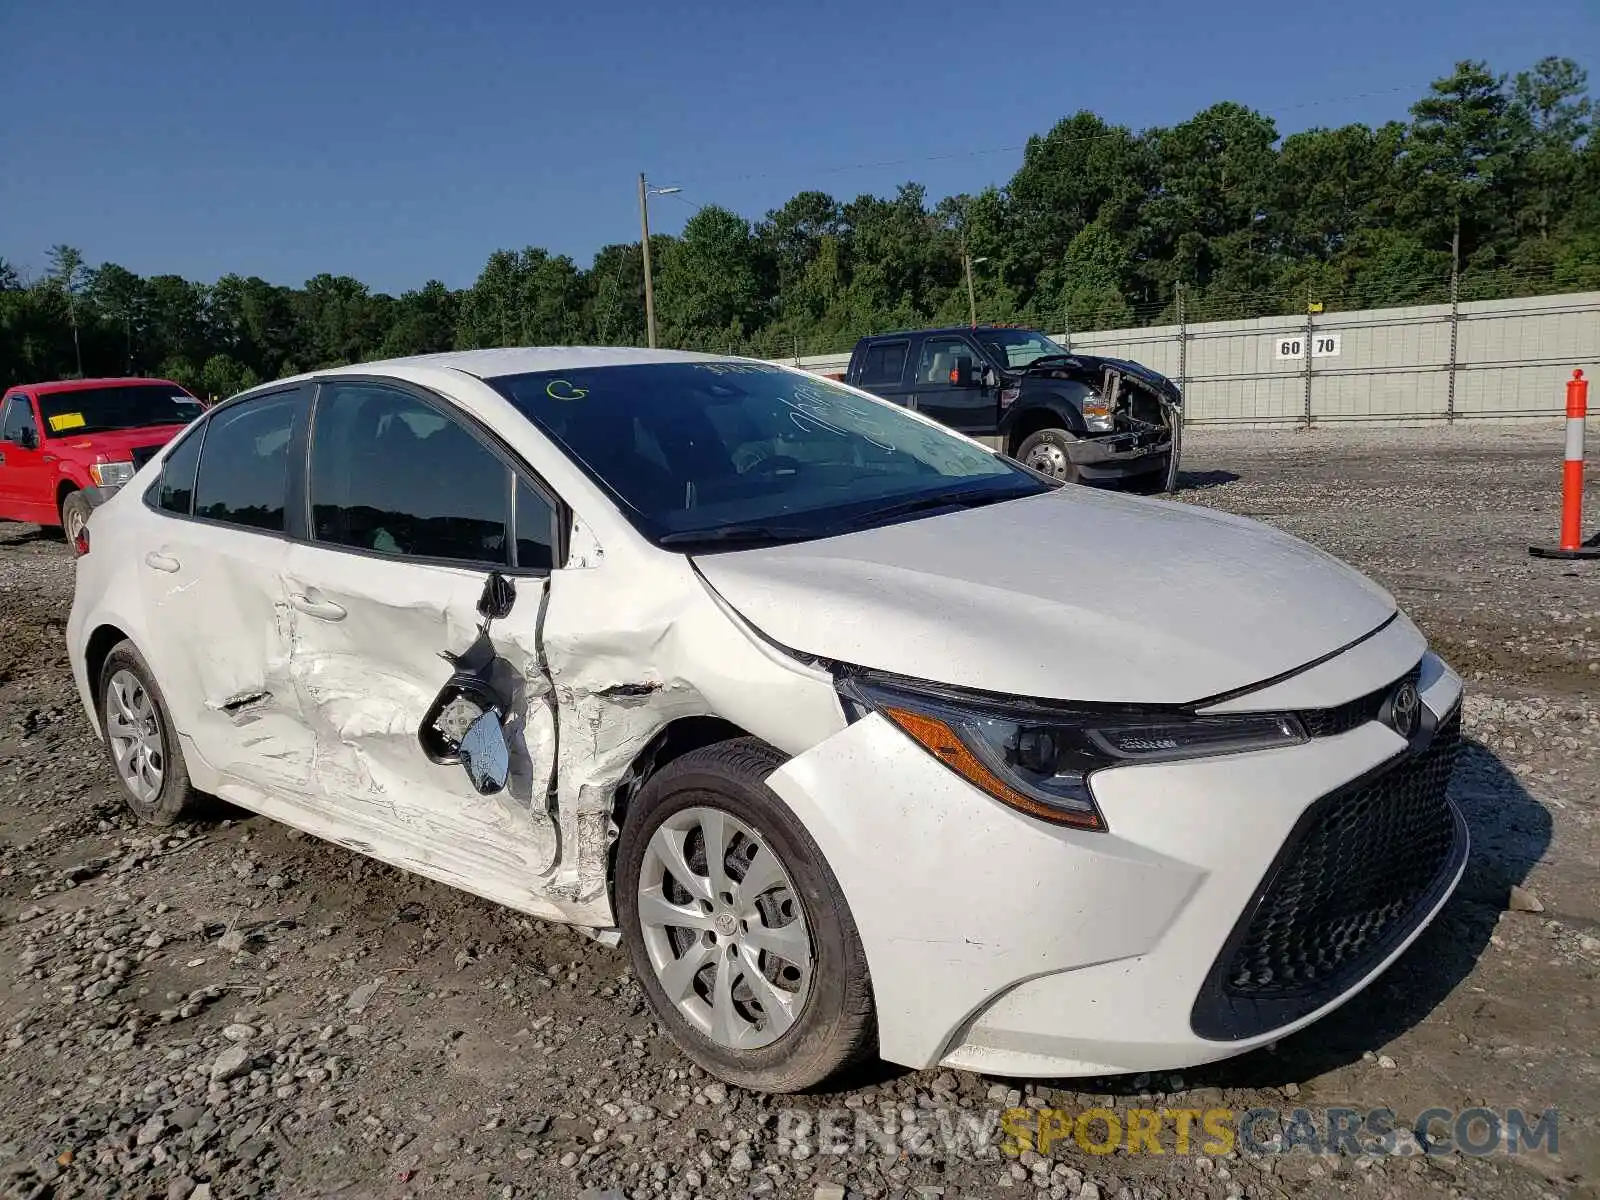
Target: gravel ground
232, 1009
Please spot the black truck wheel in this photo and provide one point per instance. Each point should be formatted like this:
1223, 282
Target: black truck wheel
1050, 452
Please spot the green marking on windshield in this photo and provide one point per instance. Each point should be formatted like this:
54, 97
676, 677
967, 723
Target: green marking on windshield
560, 389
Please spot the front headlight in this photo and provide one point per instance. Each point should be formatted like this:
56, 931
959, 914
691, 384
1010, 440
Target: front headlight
1097, 418
111, 474
1039, 758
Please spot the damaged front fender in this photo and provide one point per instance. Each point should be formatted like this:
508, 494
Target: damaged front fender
632, 647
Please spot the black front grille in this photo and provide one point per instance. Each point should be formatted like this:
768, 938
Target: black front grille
1359, 870
1327, 722
143, 454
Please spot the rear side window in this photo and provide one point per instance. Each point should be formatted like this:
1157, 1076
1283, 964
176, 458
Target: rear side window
175, 490
244, 466
883, 364
393, 475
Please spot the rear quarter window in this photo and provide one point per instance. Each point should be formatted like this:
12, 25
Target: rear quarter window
883, 364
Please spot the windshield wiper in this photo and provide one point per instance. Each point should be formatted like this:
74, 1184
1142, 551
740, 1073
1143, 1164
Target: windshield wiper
971, 499
753, 534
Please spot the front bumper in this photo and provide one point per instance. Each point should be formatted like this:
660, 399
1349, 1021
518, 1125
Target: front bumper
1120, 455
999, 944
96, 496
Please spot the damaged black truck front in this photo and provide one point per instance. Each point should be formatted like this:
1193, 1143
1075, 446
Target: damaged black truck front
1077, 417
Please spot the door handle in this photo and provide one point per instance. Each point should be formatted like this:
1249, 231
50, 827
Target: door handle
2, 457
323, 610
161, 562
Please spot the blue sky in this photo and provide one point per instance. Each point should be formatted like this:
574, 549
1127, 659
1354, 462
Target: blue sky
404, 140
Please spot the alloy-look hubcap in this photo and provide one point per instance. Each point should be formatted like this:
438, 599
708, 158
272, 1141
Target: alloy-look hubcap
1049, 459
724, 928
135, 734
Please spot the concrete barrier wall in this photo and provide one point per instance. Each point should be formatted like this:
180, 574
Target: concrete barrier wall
1489, 360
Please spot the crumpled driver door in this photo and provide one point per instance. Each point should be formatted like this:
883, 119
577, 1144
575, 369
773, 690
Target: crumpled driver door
366, 636
408, 511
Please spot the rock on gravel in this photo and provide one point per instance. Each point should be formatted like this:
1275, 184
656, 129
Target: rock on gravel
1523, 900
231, 1063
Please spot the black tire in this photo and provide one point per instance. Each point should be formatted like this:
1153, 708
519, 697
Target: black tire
177, 799
837, 1027
75, 512
1051, 450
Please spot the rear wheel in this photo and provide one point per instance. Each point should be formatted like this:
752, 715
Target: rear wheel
141, 740
74, 516
1049, 451
736, 926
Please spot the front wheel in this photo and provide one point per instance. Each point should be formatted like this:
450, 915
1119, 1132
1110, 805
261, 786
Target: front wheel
74, 516
1049, 451
736, 926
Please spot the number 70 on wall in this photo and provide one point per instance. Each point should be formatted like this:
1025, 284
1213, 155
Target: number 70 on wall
1323, 345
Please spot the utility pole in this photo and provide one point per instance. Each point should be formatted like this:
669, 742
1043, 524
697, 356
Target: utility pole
972, 303
644, 246
645, 192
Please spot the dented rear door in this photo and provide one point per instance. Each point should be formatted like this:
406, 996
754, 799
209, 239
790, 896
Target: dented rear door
410, 508
210, 566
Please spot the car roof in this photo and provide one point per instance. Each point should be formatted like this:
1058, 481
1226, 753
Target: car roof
521, 360
947, 329
78, 385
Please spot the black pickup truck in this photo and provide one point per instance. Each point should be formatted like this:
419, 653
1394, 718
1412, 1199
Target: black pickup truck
1073, 416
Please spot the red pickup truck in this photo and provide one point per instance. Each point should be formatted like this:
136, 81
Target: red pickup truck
68, 445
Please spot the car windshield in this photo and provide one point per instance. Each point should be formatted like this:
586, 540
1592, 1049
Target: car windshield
734, 452
1017, 347
116, 406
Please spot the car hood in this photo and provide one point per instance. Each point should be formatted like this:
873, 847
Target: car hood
113, 443
1076, 594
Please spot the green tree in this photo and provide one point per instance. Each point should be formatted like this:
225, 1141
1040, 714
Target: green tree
1463, 154
66, 272
1206, 223
708, 291
488, 314
616, 291
118, 295
1083, 170
1552, 104
424, 322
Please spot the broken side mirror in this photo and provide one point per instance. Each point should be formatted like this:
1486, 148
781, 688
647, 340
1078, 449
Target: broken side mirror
961, 373
991, 377
497, 599
484, 754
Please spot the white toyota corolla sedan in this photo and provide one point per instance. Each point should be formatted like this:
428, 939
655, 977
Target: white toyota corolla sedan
860, 737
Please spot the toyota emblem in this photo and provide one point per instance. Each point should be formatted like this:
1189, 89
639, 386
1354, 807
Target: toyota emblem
1405, 707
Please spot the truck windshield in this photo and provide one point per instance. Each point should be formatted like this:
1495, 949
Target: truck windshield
733, 452
1017, 347
116, 406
